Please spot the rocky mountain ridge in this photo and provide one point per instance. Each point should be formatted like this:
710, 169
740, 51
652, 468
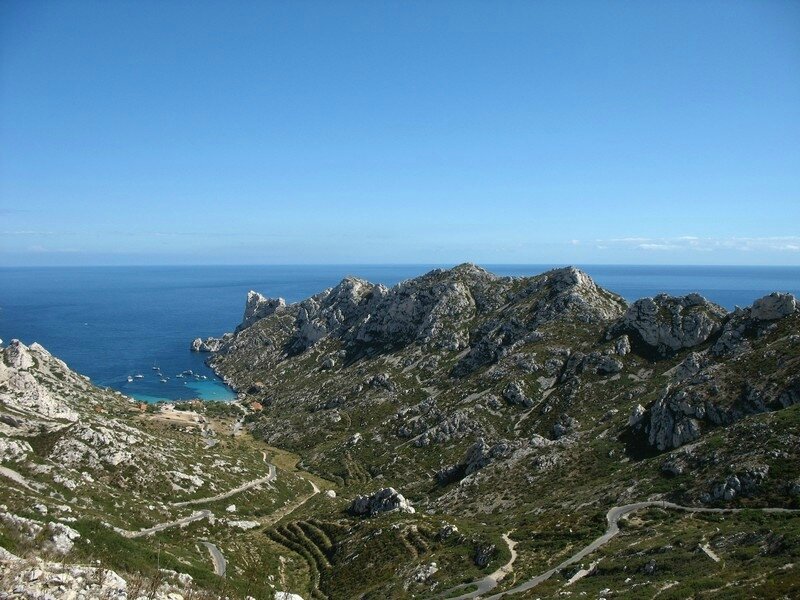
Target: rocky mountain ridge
460, 391
469, 433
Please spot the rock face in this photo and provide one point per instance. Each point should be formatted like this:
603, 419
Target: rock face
774, 306
258, 307
24, 392
210, 344
668, 324
384, 500
681, 414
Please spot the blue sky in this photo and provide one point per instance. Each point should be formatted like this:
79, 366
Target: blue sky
399, 132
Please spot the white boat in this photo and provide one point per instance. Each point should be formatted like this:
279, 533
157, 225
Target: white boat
130, 379
138, 376
163, 381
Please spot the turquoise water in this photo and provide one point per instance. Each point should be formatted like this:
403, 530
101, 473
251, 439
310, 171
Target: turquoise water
114, 322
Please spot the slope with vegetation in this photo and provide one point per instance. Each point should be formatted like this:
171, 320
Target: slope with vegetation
469, 433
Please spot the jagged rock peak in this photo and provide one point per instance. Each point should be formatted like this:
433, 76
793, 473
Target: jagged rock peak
259, 306
574, 292
567, 277
473, 271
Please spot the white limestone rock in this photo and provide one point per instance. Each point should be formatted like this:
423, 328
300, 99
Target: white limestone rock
23, 392
12, 450
258, 307
210, 344
774, 306
669, 323
287, 596
384, 500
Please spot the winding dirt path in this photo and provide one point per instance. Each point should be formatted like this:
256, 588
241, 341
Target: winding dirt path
489, 582
612, 516
272, 475
290, 508
201, 514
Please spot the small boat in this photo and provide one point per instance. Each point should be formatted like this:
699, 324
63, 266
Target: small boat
138, 376
130, 379
203, 377
179, 375
163, 381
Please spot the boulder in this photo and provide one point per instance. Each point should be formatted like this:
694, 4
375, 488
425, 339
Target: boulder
609, 366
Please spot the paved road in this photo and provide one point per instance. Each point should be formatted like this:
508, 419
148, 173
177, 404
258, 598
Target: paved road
220, 564
201, 514
612, 516
272, 475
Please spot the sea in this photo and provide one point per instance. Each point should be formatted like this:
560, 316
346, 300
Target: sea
116, 323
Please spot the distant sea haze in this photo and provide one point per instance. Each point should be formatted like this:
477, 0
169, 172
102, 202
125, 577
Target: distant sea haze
111, 323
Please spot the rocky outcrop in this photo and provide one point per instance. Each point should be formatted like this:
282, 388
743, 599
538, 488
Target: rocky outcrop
22, 369
478, 456
774, 306
454, 426
745, 324
514, 393
210, 344
673, 421
384, 500
564, 425
13, 450
38, 579
668, 324
54, 537
258, 307
567, 295
680, 414
622, 346
689, 367
743, 483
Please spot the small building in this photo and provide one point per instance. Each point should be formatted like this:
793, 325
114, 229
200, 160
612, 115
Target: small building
256, 406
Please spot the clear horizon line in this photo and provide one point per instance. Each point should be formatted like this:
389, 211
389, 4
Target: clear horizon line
401, 264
